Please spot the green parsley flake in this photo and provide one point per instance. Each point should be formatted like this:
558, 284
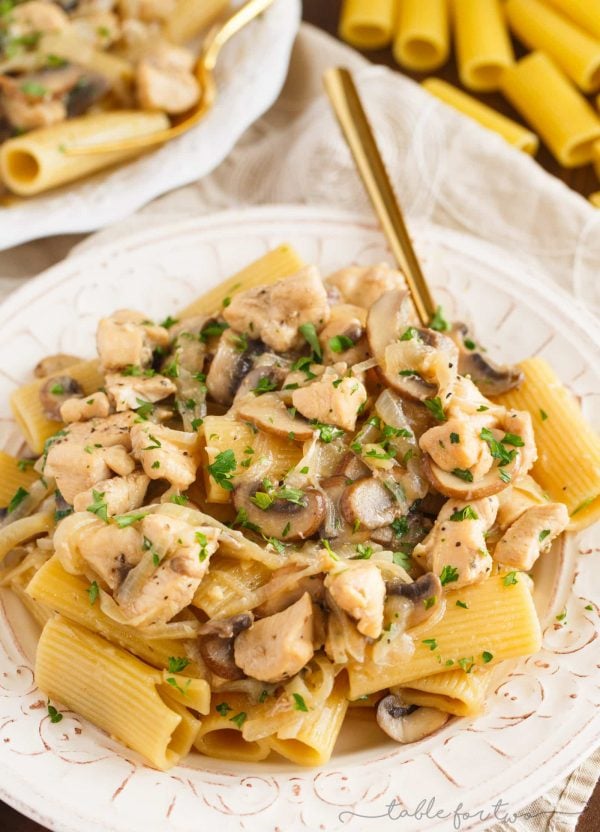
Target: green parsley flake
124, 520
544, 534
309, 333
543, 415
179, 499
223, 708
239, 719
327, 433
487, 657
562, 616
429, 602
299, 703
510, 579
435, 407
55, 716
340, 343
448, 575
454, 438
99, 506
466, 513
93, 592
402, 559
462, 604
466, 664
431, 643
409, 334
221, 470
17, 498
363, 552
265, 385
438, 322
463, 474
177, 664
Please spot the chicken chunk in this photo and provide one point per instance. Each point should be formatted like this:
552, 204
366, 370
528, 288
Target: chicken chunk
110, 551
164, 80
126, 392
362, 286
120, 494
331, 399
127, 338
118, 460
274, 313
457, 444
280, 598
455, 548
81, 409
29, 112
518, 422
530, 534
36, 17
173, 455
101, 29
278, 646
360, 591
184, 551
467, 400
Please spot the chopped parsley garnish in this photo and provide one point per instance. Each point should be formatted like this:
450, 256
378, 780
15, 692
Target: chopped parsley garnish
400, 526
155, 464
196, 423
240, 342
327, 433
439, 322
262, 500
431, 643
561, 616
55, 716
174, 684
304, 469
263, 695
265, 385
124, 520
543, 534
409, 333
454, 438
203, 541
303, 364
213, 329
57, 389
239, 719
326, 545
434, 406
363, 552
276, 544
409, 373
34, 89
487, 656
497, 449
17, 498
179, 499
466, 513
513, 439
155, 443
510, 579
463, 474
172, 369
340, 343
93, 592
144, 409
583, 505
169, 322
589, 607
136, 370
299, 703
543, 415
24, 464
429, 602
470, 345
221, 470
286, 529
402, 559
309, 333
223, 708
388, 431
504, 475
462, 604
466, 664
177, 664
482, 408
448, 575
99, 506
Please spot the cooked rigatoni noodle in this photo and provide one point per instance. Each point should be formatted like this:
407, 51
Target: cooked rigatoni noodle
500, 620
27, 408
272, 266
13, 477
368, 24
114, 690
229, 586
422, 37
71, 47
223, 433
312, 743
191, 693
586, 13
510, 130
482, 43
190, 17
20, 531
568, 464
455, 692
595, 199
561, 116
38, 161
69, 595
543, 29
220, 733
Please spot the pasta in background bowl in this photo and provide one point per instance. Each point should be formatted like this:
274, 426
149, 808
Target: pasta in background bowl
524, 700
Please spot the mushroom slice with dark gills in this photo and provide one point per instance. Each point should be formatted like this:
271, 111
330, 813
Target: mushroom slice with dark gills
408, 723
423, 594
54, 393
268, 374
344, 337
216, 642
53, 364
418, 363
269, 413
492, 379
369, 504
232, 361
288, 513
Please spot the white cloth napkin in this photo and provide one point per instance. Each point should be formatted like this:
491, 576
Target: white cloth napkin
447, 170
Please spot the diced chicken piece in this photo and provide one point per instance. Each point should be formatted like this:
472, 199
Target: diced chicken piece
455, 549
114, 430
28, 113
121, 494
519, 422
346, 324
127, 338
101, 29
184, 551
515, 500
331, 399
126, 392
278, 646
85, 408
530, 535
119, 460
362, 285
278, 599
360, 591
457, 444
36, 17
110, 551
148, 10
165, 80
173, 455
274, 313
468, 401
434, 364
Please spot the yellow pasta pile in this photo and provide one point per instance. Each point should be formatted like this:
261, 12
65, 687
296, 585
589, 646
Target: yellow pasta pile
551, 88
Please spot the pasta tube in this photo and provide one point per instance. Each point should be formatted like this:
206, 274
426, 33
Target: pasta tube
220, 733
368, 24
595, 199
38, 161
455, 692
190, 17
499, 622
114, 690
586, 13
483, 46
272, 266
27, 408
422, 37
514, 133
561, 115
575, 52
13, 477
70, 596
568, 463
69, 46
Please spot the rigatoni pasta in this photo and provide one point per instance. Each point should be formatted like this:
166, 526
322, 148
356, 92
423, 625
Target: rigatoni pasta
368, 24
422, 38
483, 45
586, 13
454, 691
510, 130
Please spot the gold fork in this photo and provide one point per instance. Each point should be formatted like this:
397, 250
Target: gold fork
204, 71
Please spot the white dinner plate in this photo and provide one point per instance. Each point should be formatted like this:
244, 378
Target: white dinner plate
250, 75
542, 718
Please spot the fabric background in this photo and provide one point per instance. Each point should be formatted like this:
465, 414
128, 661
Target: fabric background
446, 170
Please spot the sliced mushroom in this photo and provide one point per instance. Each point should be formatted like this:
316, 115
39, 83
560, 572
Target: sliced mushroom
54, 364
352, 468
492, 379
415, 528
217, 653
369, 502
388, 317
408, 723
453, 485
227, 627
89, 89
269, 413
273, 373
231, 362
283, 519
333, 488
54, 392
